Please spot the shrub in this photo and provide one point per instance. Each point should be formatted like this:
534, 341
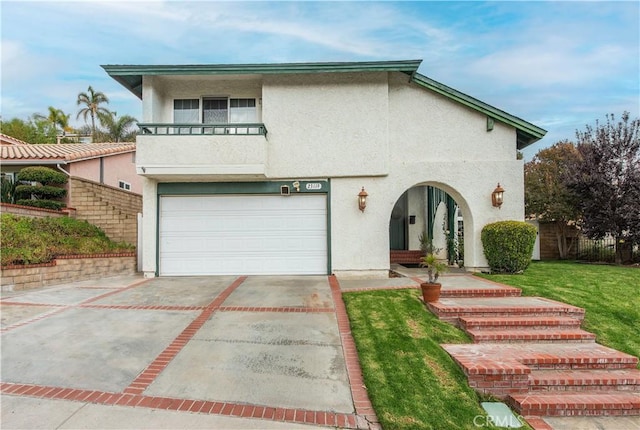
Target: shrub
39, 240
44, 175
508, 245
40, 192
45, 204
7, 190
46, 189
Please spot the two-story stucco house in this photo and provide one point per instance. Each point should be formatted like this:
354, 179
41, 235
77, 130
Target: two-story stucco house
257, 168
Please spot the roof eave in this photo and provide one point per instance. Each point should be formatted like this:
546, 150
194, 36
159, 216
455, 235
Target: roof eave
25, 161
527, 133
130, 76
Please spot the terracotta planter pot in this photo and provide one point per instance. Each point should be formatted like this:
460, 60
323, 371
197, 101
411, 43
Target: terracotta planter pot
430, 291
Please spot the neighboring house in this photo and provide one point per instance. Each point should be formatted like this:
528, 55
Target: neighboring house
110, 164
257, 169
8, 140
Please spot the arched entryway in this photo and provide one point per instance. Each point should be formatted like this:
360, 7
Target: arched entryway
424, 216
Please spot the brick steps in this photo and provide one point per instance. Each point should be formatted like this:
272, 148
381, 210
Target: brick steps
505, 322
451, 309
481, 292
531, 335
574, 404
579, 380
532, 353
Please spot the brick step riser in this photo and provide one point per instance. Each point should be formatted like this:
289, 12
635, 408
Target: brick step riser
502, 386
585, 412
516, 340
453, 317
629, 388
581, 366
606, 403
541, 326
473, 294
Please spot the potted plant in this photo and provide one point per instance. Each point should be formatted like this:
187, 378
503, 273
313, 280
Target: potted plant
431, 288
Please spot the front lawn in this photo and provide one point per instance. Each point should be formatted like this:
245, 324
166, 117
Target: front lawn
609, 294
413, 384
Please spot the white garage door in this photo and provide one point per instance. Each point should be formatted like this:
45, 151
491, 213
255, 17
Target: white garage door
243, 235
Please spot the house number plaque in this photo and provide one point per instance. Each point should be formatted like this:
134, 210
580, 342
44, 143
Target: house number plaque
314, 186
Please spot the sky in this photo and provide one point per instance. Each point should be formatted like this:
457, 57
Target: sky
558, 65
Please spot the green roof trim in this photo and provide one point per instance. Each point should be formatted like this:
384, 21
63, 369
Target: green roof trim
130, 76
527, 133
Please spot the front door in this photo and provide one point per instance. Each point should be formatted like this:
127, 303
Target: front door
398, 224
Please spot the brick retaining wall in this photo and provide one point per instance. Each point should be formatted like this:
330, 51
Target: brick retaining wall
31, 212
67, 269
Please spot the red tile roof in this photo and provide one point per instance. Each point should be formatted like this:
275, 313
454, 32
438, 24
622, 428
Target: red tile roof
63, 152
9, 140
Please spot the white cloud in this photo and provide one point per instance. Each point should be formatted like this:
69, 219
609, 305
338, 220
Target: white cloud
537, 65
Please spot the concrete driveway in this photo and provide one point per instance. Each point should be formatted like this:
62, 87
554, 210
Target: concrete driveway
195, 352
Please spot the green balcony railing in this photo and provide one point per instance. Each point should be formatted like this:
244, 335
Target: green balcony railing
242, 129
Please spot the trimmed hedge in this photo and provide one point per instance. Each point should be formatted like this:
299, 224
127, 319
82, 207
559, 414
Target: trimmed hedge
508, 245
44, 175
40, 192
43, 204
46, 192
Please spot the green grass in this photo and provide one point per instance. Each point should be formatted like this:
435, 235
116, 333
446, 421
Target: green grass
609, 294
412, 382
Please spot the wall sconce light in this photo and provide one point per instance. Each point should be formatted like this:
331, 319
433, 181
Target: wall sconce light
497, 196
362, 199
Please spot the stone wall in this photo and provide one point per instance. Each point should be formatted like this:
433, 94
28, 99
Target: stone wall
113, 210
67, 269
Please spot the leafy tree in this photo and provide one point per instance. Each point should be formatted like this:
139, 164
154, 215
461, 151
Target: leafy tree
57, 119
91, 101
33, 130
607, 180
547, 196
117, 129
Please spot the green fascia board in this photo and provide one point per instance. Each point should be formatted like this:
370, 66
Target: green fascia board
527, 133
130, 76
266, 187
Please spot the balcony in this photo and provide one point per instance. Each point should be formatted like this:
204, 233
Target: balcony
254, 129
187, 152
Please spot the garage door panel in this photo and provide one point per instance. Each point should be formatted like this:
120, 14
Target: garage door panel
205, 235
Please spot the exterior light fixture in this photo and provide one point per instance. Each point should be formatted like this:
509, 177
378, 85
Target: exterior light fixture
497, 196
362, 199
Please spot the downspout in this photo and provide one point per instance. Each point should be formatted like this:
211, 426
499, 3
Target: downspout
59, 167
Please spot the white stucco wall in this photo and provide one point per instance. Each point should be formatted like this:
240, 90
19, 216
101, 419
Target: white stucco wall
387, 135
327, 125
149, 226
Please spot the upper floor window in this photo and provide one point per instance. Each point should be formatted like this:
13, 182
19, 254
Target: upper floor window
215, 110
124, 185
186, 111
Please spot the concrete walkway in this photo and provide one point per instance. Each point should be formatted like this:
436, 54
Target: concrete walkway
197, 352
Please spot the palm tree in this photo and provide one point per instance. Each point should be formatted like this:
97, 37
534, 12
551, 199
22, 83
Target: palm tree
91, 100
117, 129
56, 118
